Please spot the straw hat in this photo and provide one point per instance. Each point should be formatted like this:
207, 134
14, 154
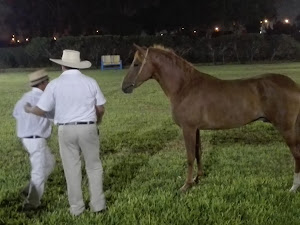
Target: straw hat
71, 58
38, 77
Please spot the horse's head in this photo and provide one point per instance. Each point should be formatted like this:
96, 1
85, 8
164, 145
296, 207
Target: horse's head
139, 71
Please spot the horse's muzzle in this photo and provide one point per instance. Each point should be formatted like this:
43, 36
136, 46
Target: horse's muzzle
128, 89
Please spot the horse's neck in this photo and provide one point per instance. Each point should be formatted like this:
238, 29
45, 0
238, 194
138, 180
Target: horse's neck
174, 77
177, 83
170, 80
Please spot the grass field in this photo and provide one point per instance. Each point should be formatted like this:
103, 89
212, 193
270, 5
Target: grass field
248, 171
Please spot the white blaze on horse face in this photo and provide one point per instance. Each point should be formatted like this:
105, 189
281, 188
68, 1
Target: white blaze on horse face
296, 182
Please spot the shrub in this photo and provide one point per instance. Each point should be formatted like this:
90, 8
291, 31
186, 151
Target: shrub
226, 48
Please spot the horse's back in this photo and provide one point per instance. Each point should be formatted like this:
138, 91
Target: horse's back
279, 80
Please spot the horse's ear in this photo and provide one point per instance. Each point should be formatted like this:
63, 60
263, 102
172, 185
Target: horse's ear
140, 49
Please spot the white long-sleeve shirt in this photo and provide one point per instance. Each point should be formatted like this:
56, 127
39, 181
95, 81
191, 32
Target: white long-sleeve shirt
29, 124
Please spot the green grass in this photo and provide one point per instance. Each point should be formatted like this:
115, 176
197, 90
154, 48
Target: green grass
248, 171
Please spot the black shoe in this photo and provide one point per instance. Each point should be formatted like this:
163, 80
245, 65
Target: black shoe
101, 211
29, 207
25, 191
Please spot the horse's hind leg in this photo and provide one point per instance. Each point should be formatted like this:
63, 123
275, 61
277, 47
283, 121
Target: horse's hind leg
292, 139
190, 143
296, 153
198, 154
296, 181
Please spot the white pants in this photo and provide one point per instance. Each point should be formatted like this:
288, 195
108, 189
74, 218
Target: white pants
75, 140
42, 164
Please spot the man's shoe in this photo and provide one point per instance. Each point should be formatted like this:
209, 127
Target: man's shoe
29, 207
100, 211
25, 191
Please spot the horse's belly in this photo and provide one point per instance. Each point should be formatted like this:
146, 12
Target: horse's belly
227, 117
217, 117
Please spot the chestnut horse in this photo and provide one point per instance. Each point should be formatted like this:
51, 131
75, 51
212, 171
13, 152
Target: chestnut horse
200, 101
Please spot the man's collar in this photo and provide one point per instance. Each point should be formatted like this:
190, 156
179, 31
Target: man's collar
71, 71
34, 89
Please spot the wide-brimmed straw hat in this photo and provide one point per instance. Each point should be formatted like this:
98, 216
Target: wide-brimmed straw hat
71, 58
38, 77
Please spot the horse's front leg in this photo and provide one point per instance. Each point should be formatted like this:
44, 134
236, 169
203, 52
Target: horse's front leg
291, 137
189, 135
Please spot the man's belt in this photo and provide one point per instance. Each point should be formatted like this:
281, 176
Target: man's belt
33, 136
76, 123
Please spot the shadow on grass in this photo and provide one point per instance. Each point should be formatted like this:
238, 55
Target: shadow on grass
12, 212
258, 133
135, 150
255, 134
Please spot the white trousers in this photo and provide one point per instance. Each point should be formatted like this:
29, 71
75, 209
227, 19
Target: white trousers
75, 140
42, 164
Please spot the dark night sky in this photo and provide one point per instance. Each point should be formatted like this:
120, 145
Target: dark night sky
41, 17
288, 8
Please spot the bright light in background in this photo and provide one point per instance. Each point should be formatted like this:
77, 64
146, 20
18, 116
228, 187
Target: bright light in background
161, 34
217, 29
97, 31
27, 39
261, 21
182, 28
286, 21
18, 41
195, 31
54, 38
266, 21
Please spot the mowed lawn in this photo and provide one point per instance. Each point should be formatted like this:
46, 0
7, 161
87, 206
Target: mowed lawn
248, 171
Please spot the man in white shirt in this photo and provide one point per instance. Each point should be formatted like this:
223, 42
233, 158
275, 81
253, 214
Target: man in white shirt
33, 131
79, 107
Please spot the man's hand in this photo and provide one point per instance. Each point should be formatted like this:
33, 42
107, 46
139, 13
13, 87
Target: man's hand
28, 107
34, 110
99, 112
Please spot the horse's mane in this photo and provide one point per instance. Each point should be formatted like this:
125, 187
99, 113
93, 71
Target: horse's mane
184, 65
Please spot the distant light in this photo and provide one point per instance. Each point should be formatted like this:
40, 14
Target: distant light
182, 28
18, 41
286, 21
13, 35
195, 31
266, 21
217, 29
161, 34
54, 38
27, 39
261, 21
13, 39
97, 31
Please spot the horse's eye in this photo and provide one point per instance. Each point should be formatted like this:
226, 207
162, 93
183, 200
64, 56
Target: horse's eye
135, 64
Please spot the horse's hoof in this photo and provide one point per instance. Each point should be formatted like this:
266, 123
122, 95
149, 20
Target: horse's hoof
186, 186
196, 180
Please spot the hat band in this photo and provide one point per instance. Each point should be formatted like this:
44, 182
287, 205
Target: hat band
41, 78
